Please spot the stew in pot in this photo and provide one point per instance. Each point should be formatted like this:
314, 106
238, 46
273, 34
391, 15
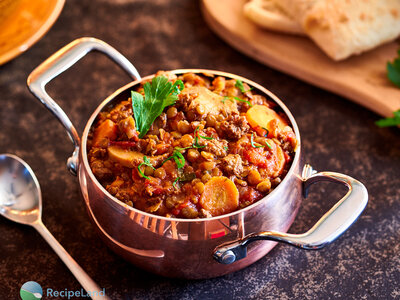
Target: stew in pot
191, 146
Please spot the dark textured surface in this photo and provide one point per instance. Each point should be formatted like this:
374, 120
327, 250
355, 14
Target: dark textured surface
337, 135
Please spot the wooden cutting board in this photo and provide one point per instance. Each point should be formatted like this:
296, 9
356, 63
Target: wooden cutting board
360, 78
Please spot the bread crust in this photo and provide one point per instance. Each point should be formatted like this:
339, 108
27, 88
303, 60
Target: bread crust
342, 28
268, 14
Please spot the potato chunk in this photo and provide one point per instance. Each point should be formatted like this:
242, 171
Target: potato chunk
211, 103
262, 116
130, 159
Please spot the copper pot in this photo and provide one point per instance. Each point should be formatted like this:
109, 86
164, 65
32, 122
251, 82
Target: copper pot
194, 248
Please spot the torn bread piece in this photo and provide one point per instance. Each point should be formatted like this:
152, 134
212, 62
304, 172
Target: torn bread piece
268, 14
343, 28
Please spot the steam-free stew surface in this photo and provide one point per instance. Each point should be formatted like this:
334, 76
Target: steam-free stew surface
219, 148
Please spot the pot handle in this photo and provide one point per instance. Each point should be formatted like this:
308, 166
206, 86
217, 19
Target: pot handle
336, 221
60, 61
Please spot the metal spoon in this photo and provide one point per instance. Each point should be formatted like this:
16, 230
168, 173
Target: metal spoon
21, 202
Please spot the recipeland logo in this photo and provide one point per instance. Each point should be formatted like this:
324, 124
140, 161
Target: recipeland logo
32, 290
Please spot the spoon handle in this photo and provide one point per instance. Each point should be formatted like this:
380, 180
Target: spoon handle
87, 283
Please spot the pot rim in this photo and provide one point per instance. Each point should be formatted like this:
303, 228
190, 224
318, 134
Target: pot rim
100, 107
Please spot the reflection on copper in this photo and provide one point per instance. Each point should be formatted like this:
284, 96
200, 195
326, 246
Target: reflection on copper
153, 225
240, 229
174, 231
161, 227
138, 218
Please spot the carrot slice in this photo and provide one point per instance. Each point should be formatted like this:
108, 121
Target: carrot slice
107, 129
220, 196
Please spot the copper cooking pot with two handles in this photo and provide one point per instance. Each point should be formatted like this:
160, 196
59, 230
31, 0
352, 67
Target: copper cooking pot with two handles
194, 248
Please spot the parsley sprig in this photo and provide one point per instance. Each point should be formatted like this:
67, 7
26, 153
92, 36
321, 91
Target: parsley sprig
393, 73
393, 70
206, 137
196, 139
231, 98
390, 121
178, 157
158, 94
240, 86
261, 146
146, 162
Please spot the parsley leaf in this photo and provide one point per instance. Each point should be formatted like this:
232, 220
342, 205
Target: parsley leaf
146, 162
393, 70
240, 86
158, 94
254, 146
390, 121
177, 157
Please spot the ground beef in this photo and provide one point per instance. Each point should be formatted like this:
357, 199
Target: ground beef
217, 147
234, 127
232, 164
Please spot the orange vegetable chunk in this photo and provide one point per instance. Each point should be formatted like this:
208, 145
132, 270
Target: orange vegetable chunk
107, 129
220, 196
261, 116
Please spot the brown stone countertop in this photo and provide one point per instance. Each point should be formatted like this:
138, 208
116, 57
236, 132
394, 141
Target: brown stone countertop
337, 135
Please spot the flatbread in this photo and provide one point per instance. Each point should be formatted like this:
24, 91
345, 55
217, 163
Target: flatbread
268, 14
342, 28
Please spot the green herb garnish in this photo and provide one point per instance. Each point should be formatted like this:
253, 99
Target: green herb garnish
177, 157
265, 135
240, 86
393, 70
226, 148
390, 121
196, 139
254, 146
146, 162
242, 100
206, 137
393, 73
252, 142
268, 145
231, 98
157, 95
175, 182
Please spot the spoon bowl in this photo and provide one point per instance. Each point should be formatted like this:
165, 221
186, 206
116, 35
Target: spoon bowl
20, 195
